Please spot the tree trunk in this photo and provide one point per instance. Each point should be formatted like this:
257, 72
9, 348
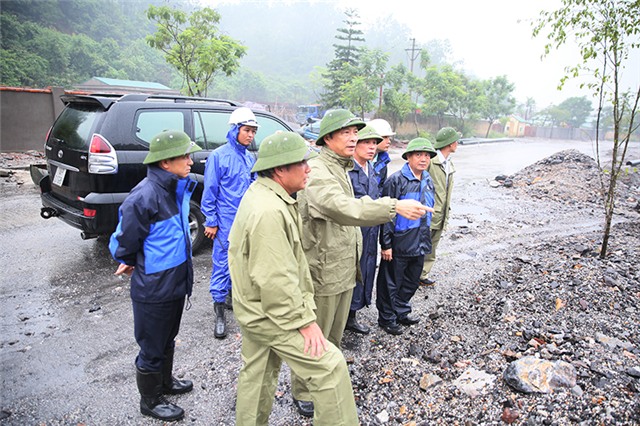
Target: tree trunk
489, 128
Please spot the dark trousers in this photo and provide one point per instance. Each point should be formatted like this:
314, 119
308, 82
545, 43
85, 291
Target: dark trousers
155, 326
397, 282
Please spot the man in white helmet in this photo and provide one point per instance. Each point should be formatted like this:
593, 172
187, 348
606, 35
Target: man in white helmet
380, 161
226, 178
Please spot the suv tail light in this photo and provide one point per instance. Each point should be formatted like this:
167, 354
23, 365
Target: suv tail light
102, 156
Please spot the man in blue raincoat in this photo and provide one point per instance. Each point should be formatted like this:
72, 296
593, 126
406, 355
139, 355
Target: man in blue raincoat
226, 178
405, 242
153, 245
365, 182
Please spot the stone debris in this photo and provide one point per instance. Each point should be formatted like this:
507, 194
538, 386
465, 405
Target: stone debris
530, 374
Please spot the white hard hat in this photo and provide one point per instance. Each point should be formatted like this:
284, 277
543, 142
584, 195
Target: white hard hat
382, 127
244, 117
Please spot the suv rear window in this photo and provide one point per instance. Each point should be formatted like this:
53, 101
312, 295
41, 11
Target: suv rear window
73, 128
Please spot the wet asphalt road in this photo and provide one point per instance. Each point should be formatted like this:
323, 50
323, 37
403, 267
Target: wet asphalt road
67, 347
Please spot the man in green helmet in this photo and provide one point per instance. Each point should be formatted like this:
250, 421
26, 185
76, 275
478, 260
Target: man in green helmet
152, 243
273, 293
441, 170
332, 241
404, 243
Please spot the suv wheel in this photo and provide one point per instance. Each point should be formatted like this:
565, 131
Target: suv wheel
196, 227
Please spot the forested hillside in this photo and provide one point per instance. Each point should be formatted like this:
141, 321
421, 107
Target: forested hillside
66, 42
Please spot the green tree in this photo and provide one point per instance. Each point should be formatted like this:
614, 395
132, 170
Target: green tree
468, 101
606, 33
194, 45
497, 100
441, 86
396, 102
357, 96
578, 110
344, 67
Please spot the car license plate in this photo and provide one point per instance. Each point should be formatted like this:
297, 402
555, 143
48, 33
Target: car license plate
58, 179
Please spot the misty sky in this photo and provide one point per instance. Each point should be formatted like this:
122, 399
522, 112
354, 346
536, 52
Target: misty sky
489, 38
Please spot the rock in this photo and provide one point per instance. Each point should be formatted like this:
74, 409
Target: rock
474, 382
633, 372
5, 173
429, 380
530, 374
613, 342
432, 356
509, 415
383, 416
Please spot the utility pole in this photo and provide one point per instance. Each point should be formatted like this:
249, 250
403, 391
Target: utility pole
414, 53
412, 57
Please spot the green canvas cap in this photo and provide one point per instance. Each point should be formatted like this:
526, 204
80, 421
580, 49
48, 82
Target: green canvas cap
368, 132
337, 119
280, 149
420, 145
446, 136
170, 144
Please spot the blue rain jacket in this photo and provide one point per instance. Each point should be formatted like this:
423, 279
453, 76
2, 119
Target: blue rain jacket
153, 235
380, 166
365, 185
407, 237
227, 176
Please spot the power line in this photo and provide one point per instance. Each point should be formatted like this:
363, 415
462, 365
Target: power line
414, 53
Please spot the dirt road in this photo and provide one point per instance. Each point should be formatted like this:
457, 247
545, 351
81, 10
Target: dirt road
510, 254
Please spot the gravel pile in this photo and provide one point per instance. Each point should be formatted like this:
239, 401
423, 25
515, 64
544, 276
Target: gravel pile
548, 298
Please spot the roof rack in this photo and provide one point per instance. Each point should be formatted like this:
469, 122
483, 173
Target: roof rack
141, 97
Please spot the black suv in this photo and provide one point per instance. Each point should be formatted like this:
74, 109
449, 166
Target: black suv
95, 149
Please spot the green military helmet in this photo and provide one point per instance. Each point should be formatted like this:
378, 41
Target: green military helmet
368, 132
280, 149
169, 144
421, 145
337, 119
446, 136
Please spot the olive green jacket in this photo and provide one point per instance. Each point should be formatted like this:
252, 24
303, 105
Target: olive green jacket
443, 192
272, 288
331, 217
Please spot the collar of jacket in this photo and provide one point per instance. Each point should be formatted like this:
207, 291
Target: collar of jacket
406, 172
383, 157
329, 155
167, 180
277, 188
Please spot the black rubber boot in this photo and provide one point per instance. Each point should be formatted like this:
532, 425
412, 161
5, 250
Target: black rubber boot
354, 325
171, 385
220, 331
228, 301
304, 407
152, 402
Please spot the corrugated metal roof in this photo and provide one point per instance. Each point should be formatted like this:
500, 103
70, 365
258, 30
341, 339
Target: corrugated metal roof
132, 83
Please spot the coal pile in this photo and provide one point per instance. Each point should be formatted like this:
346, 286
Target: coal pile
572, 178
548, 300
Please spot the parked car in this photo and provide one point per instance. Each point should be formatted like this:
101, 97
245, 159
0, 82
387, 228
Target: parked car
306, 113
95, 148
311, 130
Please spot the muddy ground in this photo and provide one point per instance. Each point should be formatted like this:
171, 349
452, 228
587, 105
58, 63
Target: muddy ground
519, 274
